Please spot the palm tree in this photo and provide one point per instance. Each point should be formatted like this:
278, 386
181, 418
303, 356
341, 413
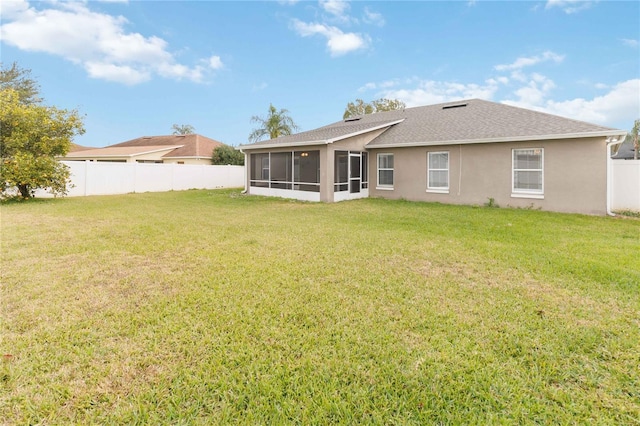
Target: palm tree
276, 124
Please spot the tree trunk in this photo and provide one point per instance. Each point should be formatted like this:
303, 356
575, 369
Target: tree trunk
24, 191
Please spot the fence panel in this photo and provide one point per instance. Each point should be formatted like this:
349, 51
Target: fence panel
626, 185
99, 178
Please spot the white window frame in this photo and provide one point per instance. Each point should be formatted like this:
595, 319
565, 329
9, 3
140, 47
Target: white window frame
527, 193
385, 187
438, 189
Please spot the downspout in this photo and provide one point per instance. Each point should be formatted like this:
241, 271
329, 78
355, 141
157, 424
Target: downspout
245, 171
610, 142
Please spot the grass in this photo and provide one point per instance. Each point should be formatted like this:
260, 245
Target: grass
203, 307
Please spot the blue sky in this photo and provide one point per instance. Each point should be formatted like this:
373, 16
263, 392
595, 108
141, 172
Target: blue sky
135, 68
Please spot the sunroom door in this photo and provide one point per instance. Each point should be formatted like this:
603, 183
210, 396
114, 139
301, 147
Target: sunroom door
355, 170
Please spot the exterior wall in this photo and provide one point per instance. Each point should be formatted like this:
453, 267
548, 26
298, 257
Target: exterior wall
625, 185
574, 175
192, 161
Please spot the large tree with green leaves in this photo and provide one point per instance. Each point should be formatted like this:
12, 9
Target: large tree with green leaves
635, 133
360, 107
32, 136
275, 124
225, 154
183, 129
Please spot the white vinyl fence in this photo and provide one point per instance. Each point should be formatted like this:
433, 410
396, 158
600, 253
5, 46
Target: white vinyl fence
96, 178
626, 185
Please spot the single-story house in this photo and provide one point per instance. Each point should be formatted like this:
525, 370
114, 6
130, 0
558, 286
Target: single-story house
465, 152
180, 149
626, 151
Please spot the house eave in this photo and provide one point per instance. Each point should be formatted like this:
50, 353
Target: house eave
605, 133
282, 145
362, 132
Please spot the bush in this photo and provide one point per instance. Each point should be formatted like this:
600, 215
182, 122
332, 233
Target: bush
227, 155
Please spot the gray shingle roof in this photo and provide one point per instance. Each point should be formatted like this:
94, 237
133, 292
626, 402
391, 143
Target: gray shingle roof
476, 121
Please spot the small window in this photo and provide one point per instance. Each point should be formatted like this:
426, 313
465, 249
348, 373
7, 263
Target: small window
385, 171
528, 171
438, 171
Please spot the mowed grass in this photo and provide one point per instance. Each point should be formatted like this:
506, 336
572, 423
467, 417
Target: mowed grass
211, 307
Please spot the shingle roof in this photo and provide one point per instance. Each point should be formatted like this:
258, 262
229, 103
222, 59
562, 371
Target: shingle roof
626, 150
467, 121
325, 134
193, 145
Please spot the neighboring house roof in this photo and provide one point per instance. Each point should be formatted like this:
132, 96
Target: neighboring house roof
460, 122
626, 151
75, 147
186, 146
120, 151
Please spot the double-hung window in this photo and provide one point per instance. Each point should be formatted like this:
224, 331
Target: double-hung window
438, 171
385, 171
528, 173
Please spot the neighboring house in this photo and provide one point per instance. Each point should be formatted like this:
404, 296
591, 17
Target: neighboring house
466, 152
626, 151
181, 149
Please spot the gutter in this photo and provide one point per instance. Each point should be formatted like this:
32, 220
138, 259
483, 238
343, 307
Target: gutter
610, 142
607, 133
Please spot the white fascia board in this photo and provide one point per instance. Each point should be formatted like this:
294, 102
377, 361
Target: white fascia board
282, 145
605, 133
367, 130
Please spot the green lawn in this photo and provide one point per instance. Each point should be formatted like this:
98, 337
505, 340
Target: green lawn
203, 307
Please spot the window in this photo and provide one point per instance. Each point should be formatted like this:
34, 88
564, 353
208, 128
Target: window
341, 171
260, 170
280, 170
306, 171
297, 170
438, 171
385, 171
528, 176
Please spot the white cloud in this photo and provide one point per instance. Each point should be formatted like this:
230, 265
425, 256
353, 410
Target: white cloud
433, 92
337, 8
117, 73
215, 63
523, 62
569, 6
373, 18
259, 87
96, 41
338, 42
629, 42
620, 104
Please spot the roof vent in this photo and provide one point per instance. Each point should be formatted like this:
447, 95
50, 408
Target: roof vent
454, 106
352, 119
146, 137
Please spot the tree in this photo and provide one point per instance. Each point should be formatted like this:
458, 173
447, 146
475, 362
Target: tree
276, 124
359, 107
33, 135
225, 154
183, 129
634, 137
20, 80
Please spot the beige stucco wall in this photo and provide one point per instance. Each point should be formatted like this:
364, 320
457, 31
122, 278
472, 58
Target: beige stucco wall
199, 161
574, 175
